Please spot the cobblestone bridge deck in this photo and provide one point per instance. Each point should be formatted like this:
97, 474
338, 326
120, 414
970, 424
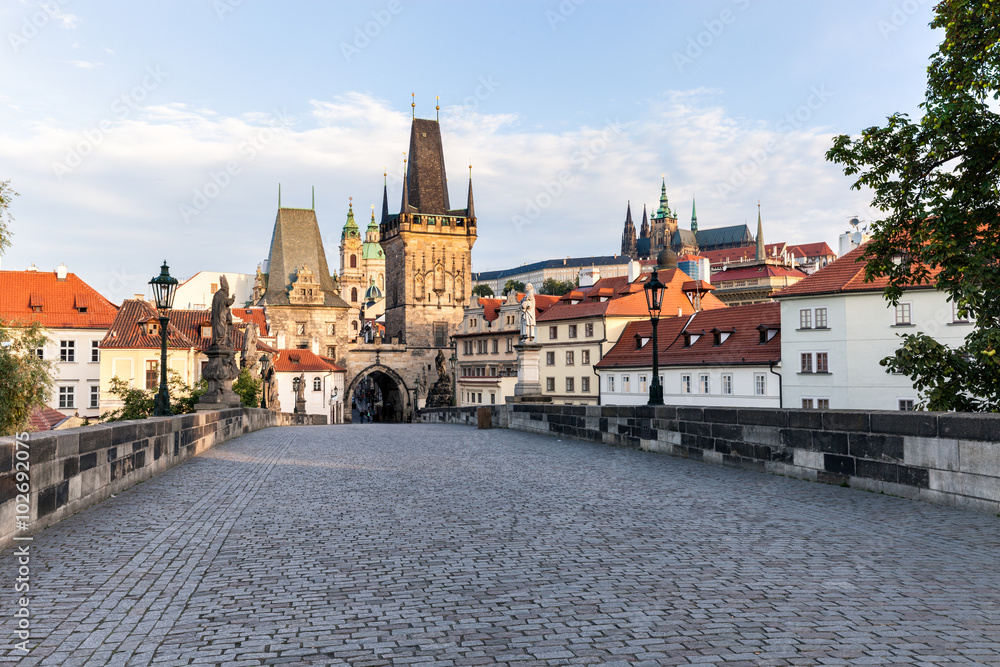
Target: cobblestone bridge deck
444, 545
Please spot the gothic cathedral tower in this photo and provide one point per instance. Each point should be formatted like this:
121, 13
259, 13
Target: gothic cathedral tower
428, 248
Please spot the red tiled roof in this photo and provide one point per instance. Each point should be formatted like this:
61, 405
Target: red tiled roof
741, 254
45, 419
183, 330
846, 274
255, 315
491, 308
746, 272
303, 361
820, 249
741, 347
60, 301
628, 299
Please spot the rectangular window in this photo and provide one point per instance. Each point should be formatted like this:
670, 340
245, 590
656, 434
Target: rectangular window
642, 384
95, 396
806, 362
496, 345
40, 352
152, 375
569, 385
703, 383
821, 318
685, 384
588, 330
903, 314
585, 384
759, 384
553, 333
300, 328
331, 329
823, 403
572, 331
805, 318
67, 397
95, 351
585, 357
550, 358
611, 383
550, 384
906, 404
510, 344
440, 334
570, 358
67, 350
727, 384
822, 362
807, 404
626, 384
493, 398
955, 317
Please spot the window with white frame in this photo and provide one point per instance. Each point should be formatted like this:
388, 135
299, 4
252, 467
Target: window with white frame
703, 383
317, 384
572, 331
585, 357
550, 384
904, 313
95, 351
570, 385
510, 344
642, 384
727, 383
40, 352
957, 318
685, 384
570, 358
67, 350
822, 362
550, 358
807, 404
821, 318
588, 330
626, 384
67, 398
759, 384
553, 333
805, 362
611, 383
906, 404
805, 318
585, 384
822, 403
95, 396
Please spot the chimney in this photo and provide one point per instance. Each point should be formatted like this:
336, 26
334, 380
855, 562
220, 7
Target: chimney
139, 297
61, 272
634, 269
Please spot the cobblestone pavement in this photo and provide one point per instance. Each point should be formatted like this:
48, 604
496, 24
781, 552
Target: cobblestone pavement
444, 545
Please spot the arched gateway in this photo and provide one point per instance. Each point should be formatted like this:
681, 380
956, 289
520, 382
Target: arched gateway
397, 406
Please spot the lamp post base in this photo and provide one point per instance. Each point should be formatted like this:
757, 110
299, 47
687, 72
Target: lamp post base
655, 395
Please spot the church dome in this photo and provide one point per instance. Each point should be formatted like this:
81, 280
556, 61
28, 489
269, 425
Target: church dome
667, 259
373, 293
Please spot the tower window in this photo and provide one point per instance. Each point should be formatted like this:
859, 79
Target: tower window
354, 291
354, 261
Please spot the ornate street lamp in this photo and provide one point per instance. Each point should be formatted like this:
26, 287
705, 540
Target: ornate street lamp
654, 301
164, 287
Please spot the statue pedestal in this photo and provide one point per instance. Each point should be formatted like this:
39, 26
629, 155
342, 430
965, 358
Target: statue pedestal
300, 406
528, 385
220, 373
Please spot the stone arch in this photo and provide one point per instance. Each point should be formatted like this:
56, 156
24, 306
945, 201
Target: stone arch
397, 406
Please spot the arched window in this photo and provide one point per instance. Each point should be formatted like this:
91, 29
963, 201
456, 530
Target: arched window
354, 294
295, 384
354, 261
354, 326
317, 384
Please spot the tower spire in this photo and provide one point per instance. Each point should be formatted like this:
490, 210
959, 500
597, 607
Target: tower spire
629, 246
471, 213
437, 108
694, 217
760, 235
385, 195
406, 193
644, 233
413, 105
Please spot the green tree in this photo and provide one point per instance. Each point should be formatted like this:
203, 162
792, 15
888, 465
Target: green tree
25, 379
556, 287
513, 286
937, 180
138, 403
482, 290
6, 195
248, 388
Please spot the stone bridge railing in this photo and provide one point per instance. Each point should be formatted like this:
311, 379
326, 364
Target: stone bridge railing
53, 474
946, 458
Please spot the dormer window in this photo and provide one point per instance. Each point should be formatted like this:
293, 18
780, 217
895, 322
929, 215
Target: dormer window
690, 338
766, 333
206, 330
152, 328
719, 337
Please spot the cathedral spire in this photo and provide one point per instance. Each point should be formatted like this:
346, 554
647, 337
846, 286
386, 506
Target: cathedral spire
471, 213
644, 233
629, 247
694, 217
760, 236
405, 206
385, 196
664, 210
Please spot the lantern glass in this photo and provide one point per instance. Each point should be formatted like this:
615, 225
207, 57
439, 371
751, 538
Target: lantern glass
164, 288
654, 296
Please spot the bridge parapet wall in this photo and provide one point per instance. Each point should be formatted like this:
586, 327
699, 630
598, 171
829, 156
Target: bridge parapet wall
74, 469
945, 458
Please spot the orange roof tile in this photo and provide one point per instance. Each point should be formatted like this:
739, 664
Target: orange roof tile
303, 361
759, 271
61, 301
183, 331
820, 249
255, 315
741, 254
846, 274
45, 419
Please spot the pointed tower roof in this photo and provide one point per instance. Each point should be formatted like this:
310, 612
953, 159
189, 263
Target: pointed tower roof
664, 210
628, 235
470, 212
760, 236
372, 249
296, 243
425, 175
644, 234
385, 197
694, 217
350, 227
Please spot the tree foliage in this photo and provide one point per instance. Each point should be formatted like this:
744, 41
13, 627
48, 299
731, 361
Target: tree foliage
6, 194
25, 379
937, 180
482, 290
556, 287
513, 286
138, 403
248, 388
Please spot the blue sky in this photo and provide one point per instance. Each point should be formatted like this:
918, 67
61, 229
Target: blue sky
142, 131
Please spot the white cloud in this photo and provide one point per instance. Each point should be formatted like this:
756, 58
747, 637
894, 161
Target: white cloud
84, 64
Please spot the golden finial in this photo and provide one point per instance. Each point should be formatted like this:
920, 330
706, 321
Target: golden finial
350, 202
437, 107
413, 104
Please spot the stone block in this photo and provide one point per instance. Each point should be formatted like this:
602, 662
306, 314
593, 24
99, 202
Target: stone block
43, 449
876, 446
977, 504
722, 415
95, 438
912, 476
762, 435
46, 474
936, 497
712, 457
798, 438
964, 426
935, 453
878, 470
980, 458
846, 420
686, 413
729, 431
71, 467
905, 423
980, 486
68, 443
945, 481
124, 433
763, 416
808, 459
809, 419
839, 465
695, 427
901, 490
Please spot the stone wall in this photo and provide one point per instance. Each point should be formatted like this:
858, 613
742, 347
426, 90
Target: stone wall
946, 458
74, 469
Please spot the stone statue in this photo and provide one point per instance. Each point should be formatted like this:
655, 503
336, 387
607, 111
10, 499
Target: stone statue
439, 362
250, 356
528, 313
222, 316
441, 393
269, 398
300, 394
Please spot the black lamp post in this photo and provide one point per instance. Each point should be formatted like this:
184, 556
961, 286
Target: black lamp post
654, 301
164, 287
